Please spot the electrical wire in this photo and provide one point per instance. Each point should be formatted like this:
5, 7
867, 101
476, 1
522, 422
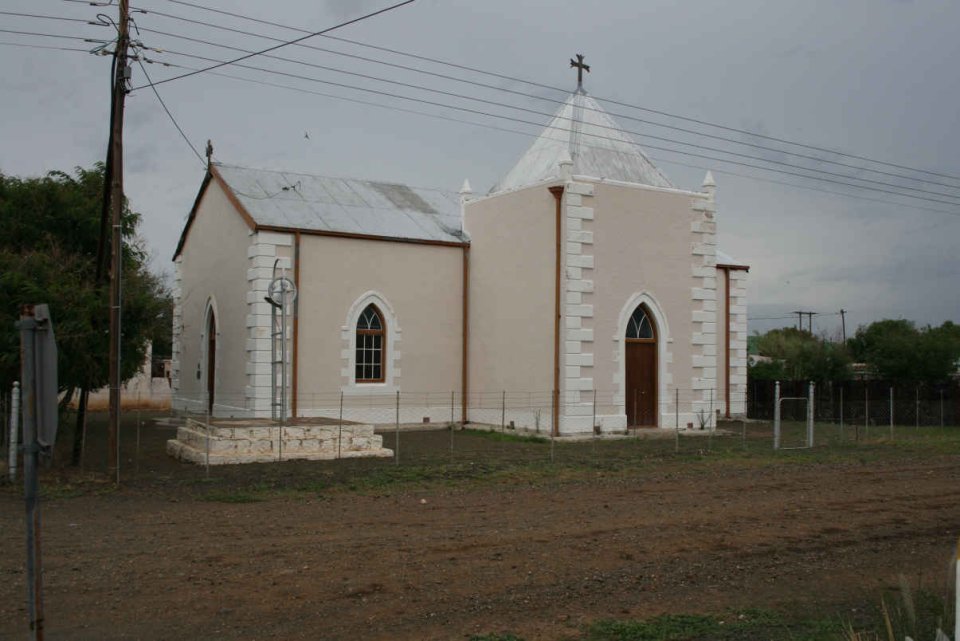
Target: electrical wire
507, 130
536, 135
30, 46
51, 35
598, 136
564, 91
546, 114
622, 116
170, 115
35, 15
284, 44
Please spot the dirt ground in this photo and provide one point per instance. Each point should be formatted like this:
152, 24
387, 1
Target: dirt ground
540, 558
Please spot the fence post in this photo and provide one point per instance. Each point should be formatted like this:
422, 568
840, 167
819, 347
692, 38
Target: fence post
810, 400
15, 424
451, 421
891, 413
941, 427
503, 411
841, 413
206, 404
676, 412
593, 426
866, 411
711, 419
776, 415
340, 427
396, 449
553, 428
917, 423
136, 465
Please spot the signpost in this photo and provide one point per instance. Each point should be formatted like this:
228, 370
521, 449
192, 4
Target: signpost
38, 375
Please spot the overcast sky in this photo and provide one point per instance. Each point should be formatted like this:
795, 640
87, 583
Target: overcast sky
872, 78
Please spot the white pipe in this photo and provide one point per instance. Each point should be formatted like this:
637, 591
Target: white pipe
14, 422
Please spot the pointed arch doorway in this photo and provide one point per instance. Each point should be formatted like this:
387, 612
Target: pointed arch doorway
640, 369
211, 358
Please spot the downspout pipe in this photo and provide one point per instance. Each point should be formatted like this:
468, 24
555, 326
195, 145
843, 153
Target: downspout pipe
557, 192
726, 338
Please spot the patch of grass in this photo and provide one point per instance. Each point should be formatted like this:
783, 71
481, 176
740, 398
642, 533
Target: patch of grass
506, 437
749, 625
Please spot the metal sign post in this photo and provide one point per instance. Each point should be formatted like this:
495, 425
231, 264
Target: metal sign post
38, 373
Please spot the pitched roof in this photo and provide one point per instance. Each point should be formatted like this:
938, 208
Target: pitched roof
582, 130
308, 203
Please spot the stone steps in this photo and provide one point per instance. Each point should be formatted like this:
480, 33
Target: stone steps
228, 445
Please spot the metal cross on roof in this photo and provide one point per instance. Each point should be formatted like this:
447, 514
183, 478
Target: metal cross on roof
581, 67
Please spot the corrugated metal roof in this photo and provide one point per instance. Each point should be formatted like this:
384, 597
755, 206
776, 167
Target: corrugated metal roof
347, 205
593, 140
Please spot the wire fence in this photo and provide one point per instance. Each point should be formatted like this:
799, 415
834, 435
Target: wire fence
503, 429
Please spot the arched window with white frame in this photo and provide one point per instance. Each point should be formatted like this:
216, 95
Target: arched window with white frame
371, 346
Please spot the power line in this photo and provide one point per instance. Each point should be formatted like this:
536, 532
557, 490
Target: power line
170, 115
512, 131
564, 91
52, 35
31, 46
537, 124
815, 159
61, 18
284, 44
541, 113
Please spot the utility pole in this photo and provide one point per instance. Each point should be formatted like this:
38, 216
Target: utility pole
843, 324
120, 79
799, 320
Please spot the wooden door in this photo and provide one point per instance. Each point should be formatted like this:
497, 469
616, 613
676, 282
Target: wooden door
211, 360
640, 370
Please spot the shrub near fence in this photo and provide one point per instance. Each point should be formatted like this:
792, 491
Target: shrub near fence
865, 402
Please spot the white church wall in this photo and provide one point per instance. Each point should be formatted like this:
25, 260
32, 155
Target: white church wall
512, 280
577, 306
706, 307
643, 247
211, 271
738, 342
417, 287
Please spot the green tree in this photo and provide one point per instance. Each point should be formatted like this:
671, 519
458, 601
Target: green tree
799, 355
897, 351
49, 237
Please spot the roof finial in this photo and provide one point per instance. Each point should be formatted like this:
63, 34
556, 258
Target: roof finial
581, 67
209, 153
466, 192
709, 185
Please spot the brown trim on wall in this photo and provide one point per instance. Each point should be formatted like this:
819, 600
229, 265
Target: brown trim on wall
192, 215
465, 356
232, 197
557, 192
296, 325
343, 234
743, 268
726, 336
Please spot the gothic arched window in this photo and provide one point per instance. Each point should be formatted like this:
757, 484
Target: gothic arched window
371, 344
639, 326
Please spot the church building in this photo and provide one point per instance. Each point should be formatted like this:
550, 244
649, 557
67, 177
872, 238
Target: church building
585, 286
